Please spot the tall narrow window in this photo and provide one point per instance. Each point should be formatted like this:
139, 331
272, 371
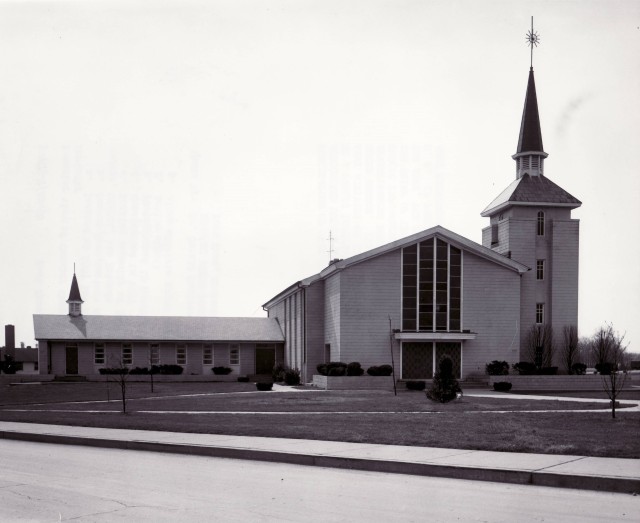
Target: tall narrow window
539, 313
127, 354
425, 293
455, 288
540, 270
207, 355
409, 287
234, 355
181, 355
442, 270
540, 223
98, 354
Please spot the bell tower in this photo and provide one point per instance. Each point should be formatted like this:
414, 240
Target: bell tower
530, 222
75, 301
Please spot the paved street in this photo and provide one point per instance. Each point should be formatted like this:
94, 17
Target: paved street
44, 482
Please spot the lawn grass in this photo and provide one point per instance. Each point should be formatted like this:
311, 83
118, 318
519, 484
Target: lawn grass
356, 416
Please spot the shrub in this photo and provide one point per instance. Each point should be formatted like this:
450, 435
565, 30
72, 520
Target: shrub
354, 369
579, 369
604, 368
264, 385
243, 379
380, 370
416, 385
524, 368
333, 368
223, 371
292, 377
549, 371
278, 372
445, 387
167, 369
139, 370
502, 386
113, 370
497, 368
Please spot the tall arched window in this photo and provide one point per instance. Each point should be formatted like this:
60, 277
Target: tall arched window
540, 223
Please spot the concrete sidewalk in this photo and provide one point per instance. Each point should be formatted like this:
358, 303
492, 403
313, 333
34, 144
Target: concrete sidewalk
602, 474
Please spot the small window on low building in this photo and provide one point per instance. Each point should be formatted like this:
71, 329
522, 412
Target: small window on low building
127, 354
98, 354
207, 355
234, 355
154, 354
181, 355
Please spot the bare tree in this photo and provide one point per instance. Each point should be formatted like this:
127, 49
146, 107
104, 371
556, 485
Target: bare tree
570, 352
611, 348
539, 345
119, 374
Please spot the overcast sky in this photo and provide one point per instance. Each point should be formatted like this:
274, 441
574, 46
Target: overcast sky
192, 157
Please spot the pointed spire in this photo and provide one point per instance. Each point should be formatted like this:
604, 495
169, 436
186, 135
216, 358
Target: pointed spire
75, 301
530, 154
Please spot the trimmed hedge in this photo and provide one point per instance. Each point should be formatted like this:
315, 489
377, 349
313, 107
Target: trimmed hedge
354, 369
243, 379
497, 368
221, 371
264, 385
333, 368
502, 386
416, 385
380, 370
524, 368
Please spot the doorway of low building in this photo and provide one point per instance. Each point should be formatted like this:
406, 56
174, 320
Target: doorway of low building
71, 359
265, 358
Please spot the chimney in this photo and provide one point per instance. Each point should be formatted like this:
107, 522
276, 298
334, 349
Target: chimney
10, 339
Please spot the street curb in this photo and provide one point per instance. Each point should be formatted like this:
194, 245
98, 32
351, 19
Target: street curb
520, 477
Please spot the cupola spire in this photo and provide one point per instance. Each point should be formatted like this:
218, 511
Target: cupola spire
75, 301
530, 154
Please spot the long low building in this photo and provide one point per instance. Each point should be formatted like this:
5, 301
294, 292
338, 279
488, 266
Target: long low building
77, 344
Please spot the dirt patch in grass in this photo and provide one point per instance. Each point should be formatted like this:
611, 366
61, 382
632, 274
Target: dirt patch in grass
356, 416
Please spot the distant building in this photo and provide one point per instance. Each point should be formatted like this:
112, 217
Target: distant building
436, 294
77, 344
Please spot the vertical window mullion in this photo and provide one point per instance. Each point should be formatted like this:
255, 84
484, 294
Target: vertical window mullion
418, 287
433, 300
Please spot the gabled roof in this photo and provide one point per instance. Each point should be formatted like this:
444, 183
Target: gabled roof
530, 138
74, 293
155, 328
532, 190
438, 231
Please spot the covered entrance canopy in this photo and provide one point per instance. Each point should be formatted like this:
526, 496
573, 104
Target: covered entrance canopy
422, 352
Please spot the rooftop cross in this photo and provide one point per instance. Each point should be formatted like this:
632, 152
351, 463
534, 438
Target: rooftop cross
533, 39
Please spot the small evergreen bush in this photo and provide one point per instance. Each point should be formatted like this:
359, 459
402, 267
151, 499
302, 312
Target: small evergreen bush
524, 368
416, 385
445, 386
579, 369
354, 369
292, 377
243, 379
380, 370
264, 385
113, 370
497, 368
333, 368
139, 370
223, 371
502, 386
278, 372
549, 371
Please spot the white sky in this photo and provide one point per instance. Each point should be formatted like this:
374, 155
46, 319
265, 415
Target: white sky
191, 157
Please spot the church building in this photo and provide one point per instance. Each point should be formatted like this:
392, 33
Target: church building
436, 294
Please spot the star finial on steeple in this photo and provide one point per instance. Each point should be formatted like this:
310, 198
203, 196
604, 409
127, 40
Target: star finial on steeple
533, 39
